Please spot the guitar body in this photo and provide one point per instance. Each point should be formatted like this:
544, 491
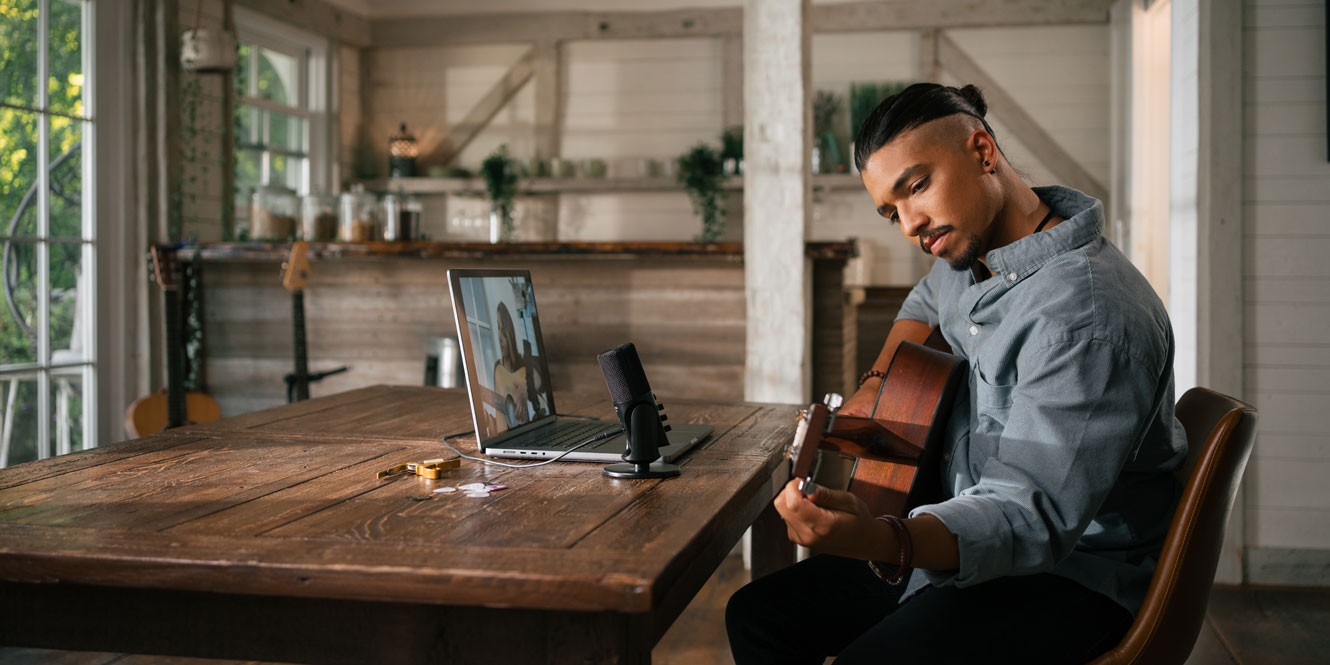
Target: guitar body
151, 413
172, 407
893, 455
510, 394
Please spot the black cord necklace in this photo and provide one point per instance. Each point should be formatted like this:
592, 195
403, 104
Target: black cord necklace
1047, 217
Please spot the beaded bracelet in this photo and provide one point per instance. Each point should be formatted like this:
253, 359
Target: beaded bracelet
863, 378
906, 552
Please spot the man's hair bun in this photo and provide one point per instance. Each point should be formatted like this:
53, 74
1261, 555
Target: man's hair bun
976, 99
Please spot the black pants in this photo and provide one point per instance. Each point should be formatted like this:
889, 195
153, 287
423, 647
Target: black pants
831, 606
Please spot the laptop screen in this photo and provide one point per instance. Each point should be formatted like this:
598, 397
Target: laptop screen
504, 359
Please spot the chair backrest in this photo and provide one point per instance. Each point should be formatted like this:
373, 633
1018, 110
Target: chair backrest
1220, 433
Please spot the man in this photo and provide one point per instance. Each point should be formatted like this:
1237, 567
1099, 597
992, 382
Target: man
1057, 460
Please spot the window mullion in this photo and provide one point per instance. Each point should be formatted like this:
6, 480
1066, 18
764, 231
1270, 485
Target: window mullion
43, 231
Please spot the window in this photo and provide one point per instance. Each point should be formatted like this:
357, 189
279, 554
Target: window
281, 109
47, 360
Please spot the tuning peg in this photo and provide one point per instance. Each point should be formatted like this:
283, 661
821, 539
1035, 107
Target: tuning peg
833, 401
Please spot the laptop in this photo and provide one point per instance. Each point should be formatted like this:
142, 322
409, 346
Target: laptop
508, 378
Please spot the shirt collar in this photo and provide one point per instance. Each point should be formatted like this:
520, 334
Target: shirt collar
1083, 222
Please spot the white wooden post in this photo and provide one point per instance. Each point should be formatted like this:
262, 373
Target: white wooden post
777, 144
1205, 257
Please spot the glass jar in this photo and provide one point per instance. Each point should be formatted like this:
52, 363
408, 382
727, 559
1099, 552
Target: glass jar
318, 217
272, 213
401, 217
358, 219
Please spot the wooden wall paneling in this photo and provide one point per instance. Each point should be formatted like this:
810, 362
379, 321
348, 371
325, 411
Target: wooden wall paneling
1026, 129
835, 332
732, 81
929, 68
489, 105
548, 66
686, 316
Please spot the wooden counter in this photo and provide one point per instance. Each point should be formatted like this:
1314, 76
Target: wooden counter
375, 307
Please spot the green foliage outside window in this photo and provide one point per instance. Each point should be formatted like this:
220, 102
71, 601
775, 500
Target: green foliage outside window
18, 173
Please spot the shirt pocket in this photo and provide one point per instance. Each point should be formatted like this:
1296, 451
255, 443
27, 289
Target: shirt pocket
992, 407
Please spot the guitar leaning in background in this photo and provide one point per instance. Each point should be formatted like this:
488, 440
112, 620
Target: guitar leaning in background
174, 406
295, 274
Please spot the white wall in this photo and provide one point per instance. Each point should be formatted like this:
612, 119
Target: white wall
629, 100
1286, 208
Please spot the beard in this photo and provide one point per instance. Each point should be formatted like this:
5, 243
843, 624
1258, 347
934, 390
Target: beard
967, 256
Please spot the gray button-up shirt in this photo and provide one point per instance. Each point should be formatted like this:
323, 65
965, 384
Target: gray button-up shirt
1058, 459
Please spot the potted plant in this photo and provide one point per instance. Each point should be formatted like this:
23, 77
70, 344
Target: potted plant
500, 174
702, 173
825, 107
732, 150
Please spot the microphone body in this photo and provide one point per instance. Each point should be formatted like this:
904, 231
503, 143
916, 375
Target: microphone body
639, 414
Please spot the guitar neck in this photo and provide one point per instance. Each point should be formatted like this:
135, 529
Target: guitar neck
302, 364
175, 361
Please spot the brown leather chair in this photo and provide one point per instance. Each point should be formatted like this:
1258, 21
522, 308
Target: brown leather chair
1220, 432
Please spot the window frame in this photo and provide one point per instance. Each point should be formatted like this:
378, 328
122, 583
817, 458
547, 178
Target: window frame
312, 54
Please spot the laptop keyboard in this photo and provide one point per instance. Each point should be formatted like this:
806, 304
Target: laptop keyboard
566, 434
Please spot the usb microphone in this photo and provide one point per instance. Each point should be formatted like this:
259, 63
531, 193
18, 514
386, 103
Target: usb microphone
639, 414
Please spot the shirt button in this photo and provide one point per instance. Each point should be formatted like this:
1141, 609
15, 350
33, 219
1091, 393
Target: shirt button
974, 330
1012, 276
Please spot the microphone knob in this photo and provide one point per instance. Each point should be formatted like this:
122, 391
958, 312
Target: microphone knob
664, 417
667, 428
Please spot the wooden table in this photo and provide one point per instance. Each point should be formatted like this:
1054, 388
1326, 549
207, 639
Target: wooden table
266, 536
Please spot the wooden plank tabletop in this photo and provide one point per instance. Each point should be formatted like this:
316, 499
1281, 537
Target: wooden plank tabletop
284, 502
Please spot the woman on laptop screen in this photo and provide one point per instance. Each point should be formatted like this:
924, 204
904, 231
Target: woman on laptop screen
516, 390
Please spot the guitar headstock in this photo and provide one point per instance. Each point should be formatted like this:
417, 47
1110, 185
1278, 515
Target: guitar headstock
165, 267
803, 450
295, 271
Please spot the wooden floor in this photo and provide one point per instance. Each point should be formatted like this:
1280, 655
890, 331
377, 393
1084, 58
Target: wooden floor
1245, 626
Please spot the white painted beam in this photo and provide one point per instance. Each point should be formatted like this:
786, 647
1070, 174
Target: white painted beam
318, 16
777, 192
716, 22
1026, 130
480, 115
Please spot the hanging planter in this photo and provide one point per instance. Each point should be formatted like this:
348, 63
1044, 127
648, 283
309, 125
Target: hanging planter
207, 50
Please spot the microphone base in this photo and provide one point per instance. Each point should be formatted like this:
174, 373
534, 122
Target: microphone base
629, 470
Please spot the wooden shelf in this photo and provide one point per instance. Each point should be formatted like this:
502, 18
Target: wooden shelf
274, 251
476, 186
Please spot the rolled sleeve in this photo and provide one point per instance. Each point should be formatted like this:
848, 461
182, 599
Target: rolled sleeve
1073, 420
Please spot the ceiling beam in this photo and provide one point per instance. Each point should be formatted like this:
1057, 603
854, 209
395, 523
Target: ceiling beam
317, 16
727, 21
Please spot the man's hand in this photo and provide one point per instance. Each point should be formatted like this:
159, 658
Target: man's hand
833, 522
862, 401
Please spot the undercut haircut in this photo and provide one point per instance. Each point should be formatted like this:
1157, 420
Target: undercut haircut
918, 104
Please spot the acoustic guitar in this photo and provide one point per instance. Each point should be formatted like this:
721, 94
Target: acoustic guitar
509, 398
890, 460
295, 274
174, 406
